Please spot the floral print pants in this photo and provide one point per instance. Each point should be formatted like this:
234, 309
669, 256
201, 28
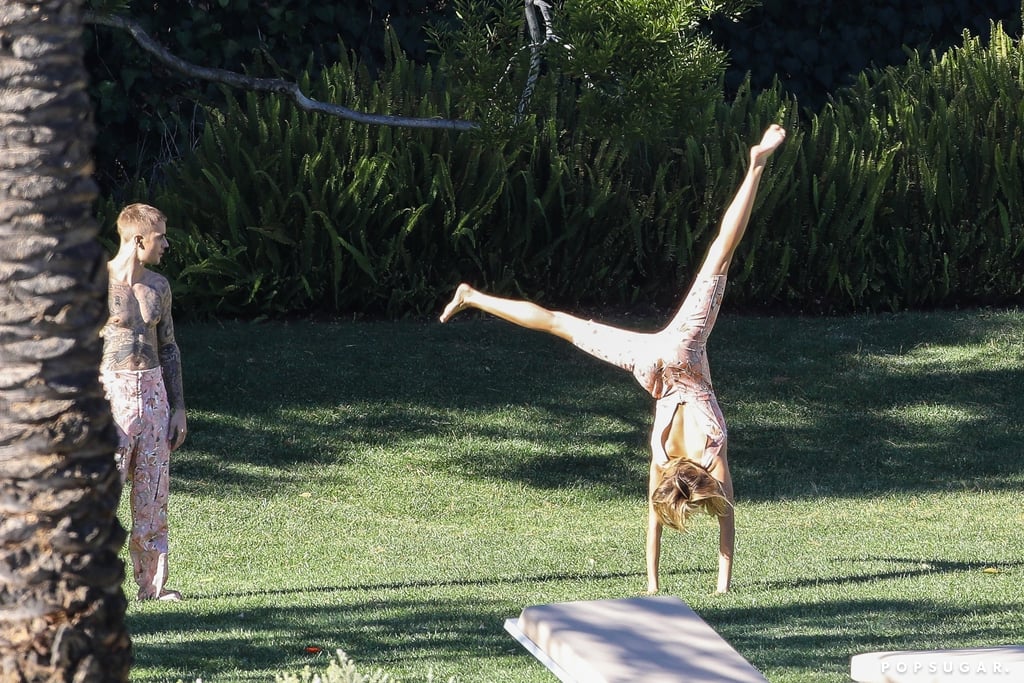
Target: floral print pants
139, 405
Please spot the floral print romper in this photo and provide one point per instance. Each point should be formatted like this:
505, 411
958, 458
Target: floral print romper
672, 364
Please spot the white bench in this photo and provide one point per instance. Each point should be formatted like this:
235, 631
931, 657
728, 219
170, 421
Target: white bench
656, 639
1003, 664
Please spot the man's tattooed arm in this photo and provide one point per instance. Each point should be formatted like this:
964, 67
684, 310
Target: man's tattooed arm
170, 363
170, 356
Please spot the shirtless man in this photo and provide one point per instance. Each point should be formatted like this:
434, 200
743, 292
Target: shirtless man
141, 372
689, 464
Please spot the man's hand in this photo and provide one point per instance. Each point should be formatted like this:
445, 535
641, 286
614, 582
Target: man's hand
176, 429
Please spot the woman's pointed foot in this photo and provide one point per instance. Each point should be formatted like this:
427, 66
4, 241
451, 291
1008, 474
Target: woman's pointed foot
457, 303
774, 136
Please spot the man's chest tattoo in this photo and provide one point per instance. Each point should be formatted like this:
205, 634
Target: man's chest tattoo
130, 334
134, 306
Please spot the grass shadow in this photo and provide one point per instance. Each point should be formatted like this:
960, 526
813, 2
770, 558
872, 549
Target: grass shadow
530, 579
815, 406
904, 568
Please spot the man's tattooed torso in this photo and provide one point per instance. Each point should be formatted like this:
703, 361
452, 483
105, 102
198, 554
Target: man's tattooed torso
139, 334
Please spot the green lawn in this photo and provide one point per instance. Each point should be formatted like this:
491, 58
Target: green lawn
398, 489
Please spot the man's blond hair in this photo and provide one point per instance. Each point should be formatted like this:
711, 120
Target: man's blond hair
138, 219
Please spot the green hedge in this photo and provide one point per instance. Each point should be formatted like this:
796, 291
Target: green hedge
903, 192
939, 177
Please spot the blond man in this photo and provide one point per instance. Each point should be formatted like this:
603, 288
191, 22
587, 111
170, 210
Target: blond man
141, 372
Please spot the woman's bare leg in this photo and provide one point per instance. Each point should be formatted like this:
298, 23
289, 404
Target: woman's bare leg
737, 215
523, 313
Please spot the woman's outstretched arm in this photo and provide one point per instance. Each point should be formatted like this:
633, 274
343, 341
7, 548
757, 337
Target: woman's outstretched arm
652, 546
737, 215
726, 526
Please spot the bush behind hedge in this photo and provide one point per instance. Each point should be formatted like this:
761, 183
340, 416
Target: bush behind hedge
902, 192
814, 47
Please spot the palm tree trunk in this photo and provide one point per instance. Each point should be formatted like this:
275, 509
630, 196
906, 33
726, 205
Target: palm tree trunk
61, 604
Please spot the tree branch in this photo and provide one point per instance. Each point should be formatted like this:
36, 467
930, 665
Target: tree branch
274, 85
539, 38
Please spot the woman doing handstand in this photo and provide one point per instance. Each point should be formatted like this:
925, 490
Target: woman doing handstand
689, 464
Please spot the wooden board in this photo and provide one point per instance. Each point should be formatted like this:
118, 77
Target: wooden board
656, 639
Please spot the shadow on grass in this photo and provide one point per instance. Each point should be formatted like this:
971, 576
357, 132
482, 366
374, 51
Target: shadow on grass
567, 448
822, 636
372, 633
905, 568
439, 583
932, 432
816, 407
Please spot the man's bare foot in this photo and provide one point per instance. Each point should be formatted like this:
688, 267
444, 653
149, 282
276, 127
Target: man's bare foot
165, 595
457, 303
770, 141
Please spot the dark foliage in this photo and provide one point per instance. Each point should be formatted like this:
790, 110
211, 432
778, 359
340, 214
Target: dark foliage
815, 47
147, 115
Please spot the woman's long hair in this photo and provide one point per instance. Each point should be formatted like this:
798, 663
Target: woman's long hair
685, 488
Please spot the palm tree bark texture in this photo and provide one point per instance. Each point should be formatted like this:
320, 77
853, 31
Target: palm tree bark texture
62, 608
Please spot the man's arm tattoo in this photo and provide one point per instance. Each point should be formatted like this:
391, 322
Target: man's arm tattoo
170, 363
